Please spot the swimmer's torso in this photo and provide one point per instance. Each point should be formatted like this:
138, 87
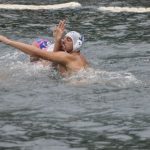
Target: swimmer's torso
74, 66
65, 70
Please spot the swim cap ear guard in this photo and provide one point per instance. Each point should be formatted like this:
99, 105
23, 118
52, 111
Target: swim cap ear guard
79, 42
77, 39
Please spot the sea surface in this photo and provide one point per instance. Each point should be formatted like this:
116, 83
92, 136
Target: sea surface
106, 107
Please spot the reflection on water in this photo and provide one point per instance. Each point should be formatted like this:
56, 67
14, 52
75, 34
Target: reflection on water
105, 107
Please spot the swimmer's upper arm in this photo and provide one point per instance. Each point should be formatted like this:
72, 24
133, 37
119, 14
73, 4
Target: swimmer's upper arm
57, 57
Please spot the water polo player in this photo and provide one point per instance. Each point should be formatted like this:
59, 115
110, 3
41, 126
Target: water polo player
68, 58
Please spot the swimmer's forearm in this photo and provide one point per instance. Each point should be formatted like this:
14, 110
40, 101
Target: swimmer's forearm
57, 45
26, 48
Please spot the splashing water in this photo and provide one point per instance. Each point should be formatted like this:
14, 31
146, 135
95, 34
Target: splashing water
92, 76
19, 66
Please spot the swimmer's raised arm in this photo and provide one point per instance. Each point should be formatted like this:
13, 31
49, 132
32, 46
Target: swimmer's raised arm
58, 57
58, 34
19, 45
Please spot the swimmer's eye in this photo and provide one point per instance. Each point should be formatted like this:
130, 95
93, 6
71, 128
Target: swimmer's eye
68, 39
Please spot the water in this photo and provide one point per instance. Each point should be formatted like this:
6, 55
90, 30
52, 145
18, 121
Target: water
104, 108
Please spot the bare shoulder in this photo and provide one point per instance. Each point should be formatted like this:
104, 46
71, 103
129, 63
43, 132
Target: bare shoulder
83, 58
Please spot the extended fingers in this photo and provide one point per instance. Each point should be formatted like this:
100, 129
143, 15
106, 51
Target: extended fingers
62, 24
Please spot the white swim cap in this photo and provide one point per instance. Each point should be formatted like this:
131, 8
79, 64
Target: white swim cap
77, 39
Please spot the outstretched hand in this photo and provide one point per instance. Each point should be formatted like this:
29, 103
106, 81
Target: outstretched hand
59, 30
3, 39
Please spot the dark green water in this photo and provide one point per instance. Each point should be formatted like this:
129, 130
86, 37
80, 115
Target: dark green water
39, 111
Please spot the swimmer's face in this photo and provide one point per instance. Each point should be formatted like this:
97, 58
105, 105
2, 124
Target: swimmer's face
67, 44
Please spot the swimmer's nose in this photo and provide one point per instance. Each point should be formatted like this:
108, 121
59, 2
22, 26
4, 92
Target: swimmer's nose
62, 41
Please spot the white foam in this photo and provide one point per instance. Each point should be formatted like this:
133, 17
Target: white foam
39, 7
125, 9
118, 79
